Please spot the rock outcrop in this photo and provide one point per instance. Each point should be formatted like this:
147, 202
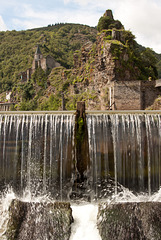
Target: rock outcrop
111, 74
125, 221
34, 220
99, 65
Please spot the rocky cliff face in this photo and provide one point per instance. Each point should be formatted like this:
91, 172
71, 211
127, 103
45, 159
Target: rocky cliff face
112, 60
98, 65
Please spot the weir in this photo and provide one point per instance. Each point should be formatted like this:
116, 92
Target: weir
125, 147
38, 152
110, 159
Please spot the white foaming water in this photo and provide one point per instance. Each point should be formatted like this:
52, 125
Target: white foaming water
127, 196
84, 226
85, 215
4, 213
28, 197
5, 202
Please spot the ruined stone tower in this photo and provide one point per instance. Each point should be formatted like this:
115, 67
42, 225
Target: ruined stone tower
46, 63
109, 14
37, 59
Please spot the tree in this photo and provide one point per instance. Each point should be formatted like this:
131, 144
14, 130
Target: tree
40, 77
106, 22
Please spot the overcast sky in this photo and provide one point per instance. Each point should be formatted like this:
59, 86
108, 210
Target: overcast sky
142, 17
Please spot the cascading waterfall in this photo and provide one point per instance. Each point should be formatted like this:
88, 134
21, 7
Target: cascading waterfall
37, 152
37, 159
125, 148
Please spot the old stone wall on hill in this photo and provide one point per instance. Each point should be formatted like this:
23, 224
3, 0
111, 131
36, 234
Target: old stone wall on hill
106, 68
127, 95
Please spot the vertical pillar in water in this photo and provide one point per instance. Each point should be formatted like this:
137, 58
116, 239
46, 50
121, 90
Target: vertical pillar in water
81, 139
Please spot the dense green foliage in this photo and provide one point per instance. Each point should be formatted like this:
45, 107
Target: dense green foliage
158, 65
17, 48
148, 63
141, 62
40, 77
107, 22
150, 54
145, 58
45, 90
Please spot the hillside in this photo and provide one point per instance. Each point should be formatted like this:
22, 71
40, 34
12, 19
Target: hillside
81, 57
17, 48
96, 67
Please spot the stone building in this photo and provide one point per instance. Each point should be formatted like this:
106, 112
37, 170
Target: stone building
133, 94
45, 63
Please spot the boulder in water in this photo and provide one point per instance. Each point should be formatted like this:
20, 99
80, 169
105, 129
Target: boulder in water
39, 221
125, 221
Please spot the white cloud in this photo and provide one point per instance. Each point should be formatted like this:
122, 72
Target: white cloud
2, 25
105, 4
143, 19
26, 24
29, 18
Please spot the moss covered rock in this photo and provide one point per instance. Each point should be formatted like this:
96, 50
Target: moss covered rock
34, 220
125, 221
